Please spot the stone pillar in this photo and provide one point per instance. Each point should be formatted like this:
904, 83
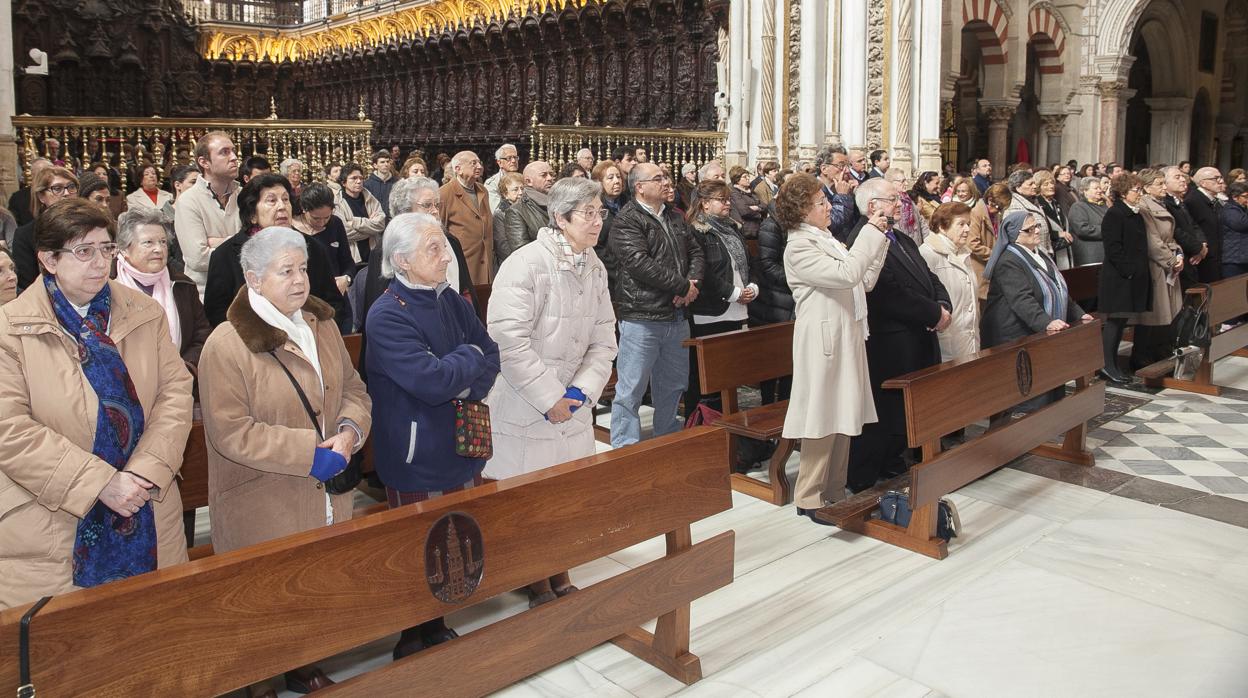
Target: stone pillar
853, 82
999, 114
767, 142
1226, 138
930, 88
812, 80
832, 105
8, 105
1054, 125
1111, 107
903, 123
1170, 135
734, 82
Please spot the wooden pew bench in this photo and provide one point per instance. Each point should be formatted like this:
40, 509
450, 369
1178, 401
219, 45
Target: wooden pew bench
1083, 283
943, 399
216, 625
1228, 301
730, 360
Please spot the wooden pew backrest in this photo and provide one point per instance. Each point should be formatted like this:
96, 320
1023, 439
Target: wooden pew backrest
744, 357
1083, 282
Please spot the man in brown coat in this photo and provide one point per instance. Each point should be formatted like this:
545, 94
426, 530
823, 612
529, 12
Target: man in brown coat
466, 215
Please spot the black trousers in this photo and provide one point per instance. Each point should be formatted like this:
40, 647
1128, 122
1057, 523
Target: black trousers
873, 453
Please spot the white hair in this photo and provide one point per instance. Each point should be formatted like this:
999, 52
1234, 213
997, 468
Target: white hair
567, 194
874, 188
502, 150
284, 168
705, 171
263, 247
402, 236
405, 190
129, 221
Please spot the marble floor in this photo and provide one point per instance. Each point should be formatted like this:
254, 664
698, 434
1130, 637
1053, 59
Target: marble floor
1089, 587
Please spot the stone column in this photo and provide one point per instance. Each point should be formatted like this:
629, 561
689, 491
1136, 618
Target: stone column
1170, 134
999, 114
832, 105
8, 105
903, 155
734, 81
1226, 138
853, 82
1111, 106
930, 88
767, 142
811, 80
1053, 125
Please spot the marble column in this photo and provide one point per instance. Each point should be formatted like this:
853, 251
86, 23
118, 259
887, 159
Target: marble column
1053, 126
930, 86
767, 120
999, 114
1111, 108
1226, 138
811, 80
1170, 134
832, 105
8, 104
853, 82
734, 82
903, 72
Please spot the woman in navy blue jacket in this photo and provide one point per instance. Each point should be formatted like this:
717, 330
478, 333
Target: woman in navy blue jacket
426, 347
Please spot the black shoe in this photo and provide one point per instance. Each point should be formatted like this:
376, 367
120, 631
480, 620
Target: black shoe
438, 636
409, 643
810, 514
1112, 375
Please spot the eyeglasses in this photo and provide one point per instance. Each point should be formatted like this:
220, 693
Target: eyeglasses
510, 157
657, 179
591, 214
1029, 229
85, 253
431, 206
63, 189
147, 245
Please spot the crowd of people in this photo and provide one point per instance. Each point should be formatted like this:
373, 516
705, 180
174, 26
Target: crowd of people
234, 285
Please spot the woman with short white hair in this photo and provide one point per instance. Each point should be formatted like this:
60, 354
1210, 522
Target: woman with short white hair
550, 312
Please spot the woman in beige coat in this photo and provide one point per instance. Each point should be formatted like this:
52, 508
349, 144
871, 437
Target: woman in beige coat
149, 194
947, 256
361, 213
550, 313
831, 397
1165, 261
53, 474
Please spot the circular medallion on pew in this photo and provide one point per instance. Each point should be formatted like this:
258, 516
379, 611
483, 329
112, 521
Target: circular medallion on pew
454, 557
1022, 372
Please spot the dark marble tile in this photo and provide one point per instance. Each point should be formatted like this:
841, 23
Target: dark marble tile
1196, 441
1224, 509
1100, 479
1174, 453
1223, 485
1151, 467
1231, 417
1237, 467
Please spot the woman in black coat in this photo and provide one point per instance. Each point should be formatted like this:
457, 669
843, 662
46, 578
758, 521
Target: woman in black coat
1126, 288
775, 299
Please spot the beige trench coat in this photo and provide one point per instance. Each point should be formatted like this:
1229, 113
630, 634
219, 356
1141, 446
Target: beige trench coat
260, 439
980, 242
49, 478
961, 337
1163, 253
831, 387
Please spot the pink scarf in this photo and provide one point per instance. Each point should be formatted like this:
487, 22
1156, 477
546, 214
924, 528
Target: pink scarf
162, 292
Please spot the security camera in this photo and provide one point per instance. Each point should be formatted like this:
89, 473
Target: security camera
41, 63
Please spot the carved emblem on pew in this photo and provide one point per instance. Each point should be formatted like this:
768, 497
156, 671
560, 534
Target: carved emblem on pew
1022, 372
454, 557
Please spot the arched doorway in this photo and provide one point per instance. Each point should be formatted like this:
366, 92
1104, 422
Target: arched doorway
1157, 126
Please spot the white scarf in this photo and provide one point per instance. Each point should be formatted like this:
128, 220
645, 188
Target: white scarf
295, 327
860, 292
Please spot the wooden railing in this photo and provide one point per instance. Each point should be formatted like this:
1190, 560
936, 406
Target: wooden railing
168, 143
558, 144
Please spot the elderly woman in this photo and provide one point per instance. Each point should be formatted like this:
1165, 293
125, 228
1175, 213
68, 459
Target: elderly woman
550, 312
1023, 192
831, 389
149, 194
1153, 341
1234, 217
746, 208
947, 255
510, 189
1085, 222
292, 170
1055, 218
52, 184
95, 408
426, 351
360, 212
573, 169
608, 175
1125, 290
269, 455
264, 202
143, 236
8, 276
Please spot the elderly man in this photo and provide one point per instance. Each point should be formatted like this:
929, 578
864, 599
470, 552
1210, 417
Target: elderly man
19, 202
1206, 210
382, 179
508, 159
905, 310
207, 213
858, 165
659, 267
585, 158
711, 171
466, 215
1190, 237
832, 168
528, 215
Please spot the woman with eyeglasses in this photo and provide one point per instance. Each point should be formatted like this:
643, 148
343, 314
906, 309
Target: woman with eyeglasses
52, 184
550, 313
1125, 291
95, 408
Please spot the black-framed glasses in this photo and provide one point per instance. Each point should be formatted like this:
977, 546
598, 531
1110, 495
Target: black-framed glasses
509, 158
1029, 229
63, 189
85, 253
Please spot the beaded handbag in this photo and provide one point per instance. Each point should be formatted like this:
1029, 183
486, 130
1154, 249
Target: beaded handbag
472, 429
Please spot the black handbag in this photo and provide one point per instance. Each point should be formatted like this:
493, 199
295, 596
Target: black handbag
1191, 326
350, 476
895, 509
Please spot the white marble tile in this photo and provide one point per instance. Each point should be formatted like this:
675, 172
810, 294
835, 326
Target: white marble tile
570, 679
1232, 372
866, 679
1224, 454
1200, 467
1178, 429
1033, 494
1129, 452
1195, 418
1194, 566
1023, 631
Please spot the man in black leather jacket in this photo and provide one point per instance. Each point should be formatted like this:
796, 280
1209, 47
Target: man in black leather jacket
658, 270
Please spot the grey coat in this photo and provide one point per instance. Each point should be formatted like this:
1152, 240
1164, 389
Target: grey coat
1085, 226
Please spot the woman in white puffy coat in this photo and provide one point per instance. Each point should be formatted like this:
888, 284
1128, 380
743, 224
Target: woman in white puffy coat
946, 254
550, 313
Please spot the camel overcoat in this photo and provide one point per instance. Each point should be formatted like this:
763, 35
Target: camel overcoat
831, 385
980, 242
952, 267
1163, 253
49, 478
259, 437
555, 328
472, 223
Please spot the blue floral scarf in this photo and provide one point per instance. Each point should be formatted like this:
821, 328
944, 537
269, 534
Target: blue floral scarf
107, 546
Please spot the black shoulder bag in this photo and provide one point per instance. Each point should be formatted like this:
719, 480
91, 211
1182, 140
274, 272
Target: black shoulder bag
350, 476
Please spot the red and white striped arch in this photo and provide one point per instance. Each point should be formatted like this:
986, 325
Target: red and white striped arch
1046, 32
991, 27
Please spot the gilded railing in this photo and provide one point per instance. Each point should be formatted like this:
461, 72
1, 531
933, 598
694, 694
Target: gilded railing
168, 143
558, 144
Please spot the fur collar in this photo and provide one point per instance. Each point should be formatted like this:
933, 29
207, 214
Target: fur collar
259, 336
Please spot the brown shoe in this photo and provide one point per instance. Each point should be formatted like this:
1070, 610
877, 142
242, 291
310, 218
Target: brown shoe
307, 679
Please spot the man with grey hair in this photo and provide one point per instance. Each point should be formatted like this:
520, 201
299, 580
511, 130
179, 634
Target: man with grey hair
1205, 204
905, 309
19, 202
832, 171
585, 158
1189, 235
466, 215
508, 159
858, 165
659, 268
712, 170
528, 215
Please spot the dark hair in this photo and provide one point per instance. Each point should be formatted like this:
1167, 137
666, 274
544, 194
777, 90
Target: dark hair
90, 183
946, 214
181, 172
329, 166
793, 199
707, 189
316, 196
619, 153
1124, 183
253, 163
1181, 163
347, 169
143, 167
1237, 189
919, 190
570, 170
736, 173
249, 195
383, 153
769, 166
999, 195
877, 155
69, 219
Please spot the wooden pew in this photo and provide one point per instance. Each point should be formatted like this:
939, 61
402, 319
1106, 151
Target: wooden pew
729, 360
1229, 300
943, 399
1084, 284
218, 624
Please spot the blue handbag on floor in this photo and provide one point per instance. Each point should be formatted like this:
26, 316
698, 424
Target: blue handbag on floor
895, 509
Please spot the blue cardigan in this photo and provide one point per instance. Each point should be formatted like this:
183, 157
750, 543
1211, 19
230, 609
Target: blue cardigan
420, 357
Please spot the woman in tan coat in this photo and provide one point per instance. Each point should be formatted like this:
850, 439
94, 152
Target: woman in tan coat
1165, 261
87, 486
267, 459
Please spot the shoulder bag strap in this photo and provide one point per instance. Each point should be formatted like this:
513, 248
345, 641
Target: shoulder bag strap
26, 689
307, 406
